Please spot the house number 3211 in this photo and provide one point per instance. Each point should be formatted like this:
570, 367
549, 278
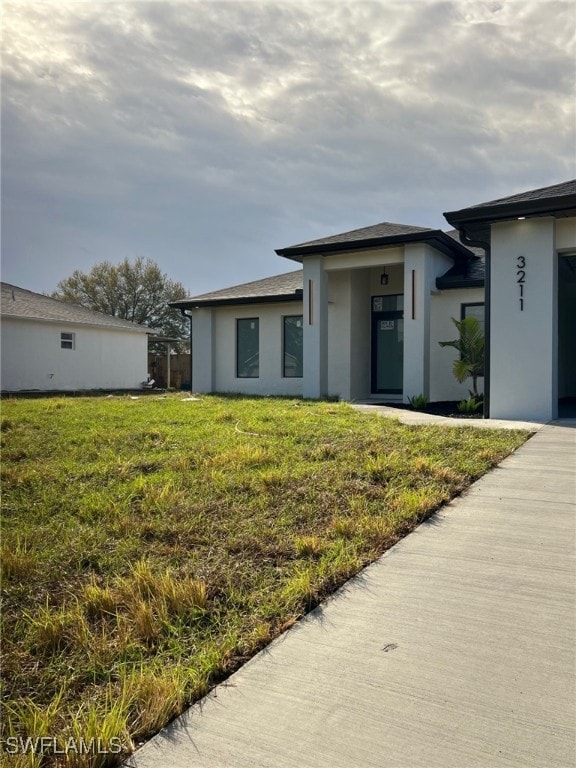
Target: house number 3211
521, 278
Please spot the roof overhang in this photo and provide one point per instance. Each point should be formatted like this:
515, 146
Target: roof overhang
435, 238
207, 303
477, 219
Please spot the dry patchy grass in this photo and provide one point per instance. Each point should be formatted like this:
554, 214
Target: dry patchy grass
150, 547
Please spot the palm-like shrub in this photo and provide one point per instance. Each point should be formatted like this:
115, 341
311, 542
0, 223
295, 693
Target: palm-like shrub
470, 345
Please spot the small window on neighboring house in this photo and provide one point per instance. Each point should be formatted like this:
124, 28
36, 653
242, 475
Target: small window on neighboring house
292, 341
473, 310
247, 348
68, 340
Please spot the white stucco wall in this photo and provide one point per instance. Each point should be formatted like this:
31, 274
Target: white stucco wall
270, 380
203, 350
523, 342
315, 311
339, 334
445, 305
32, 358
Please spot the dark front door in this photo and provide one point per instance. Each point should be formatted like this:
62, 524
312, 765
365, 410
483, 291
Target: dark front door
387, 344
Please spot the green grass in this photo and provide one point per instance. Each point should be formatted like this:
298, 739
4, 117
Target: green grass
151, 546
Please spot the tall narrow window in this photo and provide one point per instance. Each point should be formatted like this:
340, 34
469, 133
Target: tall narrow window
67, 340
473, 310
292, 344
247, 348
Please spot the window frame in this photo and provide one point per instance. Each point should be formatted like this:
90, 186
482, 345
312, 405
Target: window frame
292, 317
240, 320
465, 305
67, 343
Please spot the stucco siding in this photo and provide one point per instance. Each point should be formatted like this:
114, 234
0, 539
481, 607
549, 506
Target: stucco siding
523, 339
270, 380
339, 333
565, 233
445, 305
32, 357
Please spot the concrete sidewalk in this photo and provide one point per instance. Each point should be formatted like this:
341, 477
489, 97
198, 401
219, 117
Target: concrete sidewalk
455, 650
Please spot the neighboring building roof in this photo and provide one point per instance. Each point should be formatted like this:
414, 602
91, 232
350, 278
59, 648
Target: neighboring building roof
464, 274
27, 305
479, 252
383, 234
285, 287
557, 200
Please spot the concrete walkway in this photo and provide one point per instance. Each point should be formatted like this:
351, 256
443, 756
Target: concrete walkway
408, 416
455, 650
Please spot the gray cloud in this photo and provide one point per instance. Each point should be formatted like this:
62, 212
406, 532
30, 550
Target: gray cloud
206, 134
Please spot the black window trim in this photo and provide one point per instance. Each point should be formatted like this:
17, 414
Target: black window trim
284, 318
470, 304
238, 321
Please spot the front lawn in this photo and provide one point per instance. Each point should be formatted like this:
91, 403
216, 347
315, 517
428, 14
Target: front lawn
152, 545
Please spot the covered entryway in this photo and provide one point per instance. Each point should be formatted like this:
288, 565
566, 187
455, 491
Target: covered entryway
387, 345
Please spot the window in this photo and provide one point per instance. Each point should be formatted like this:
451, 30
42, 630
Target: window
473, 310
247, 348
292, 346
68, 341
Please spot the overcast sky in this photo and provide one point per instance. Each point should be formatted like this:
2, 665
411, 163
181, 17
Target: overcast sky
206, 134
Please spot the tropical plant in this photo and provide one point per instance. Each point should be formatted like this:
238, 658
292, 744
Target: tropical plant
470, 405
418, 401
470, 345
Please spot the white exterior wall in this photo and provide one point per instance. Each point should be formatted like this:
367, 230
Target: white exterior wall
203, 346
360, 349
339, 334
422, 264
445, 305
315, 286
103, 358
270, 380
523, 343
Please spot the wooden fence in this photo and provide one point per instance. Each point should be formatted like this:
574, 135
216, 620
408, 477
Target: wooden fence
179, 370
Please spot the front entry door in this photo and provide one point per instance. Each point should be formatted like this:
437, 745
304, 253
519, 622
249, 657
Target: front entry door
387, 344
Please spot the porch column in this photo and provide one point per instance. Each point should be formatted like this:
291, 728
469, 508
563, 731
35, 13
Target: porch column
523, 327
418, 284
203, 350
315, 337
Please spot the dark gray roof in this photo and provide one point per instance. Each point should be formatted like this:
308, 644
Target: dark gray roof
478, 252
20, 303
376, 231
464, 274
383, 234
285, 287
543, 193
557, 200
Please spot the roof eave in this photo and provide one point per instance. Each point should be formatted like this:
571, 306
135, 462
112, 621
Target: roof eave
440, 240
84, 323
459, 282
557, 206
206, 303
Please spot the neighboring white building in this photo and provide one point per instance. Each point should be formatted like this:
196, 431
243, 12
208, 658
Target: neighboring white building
362, 319
48, 345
